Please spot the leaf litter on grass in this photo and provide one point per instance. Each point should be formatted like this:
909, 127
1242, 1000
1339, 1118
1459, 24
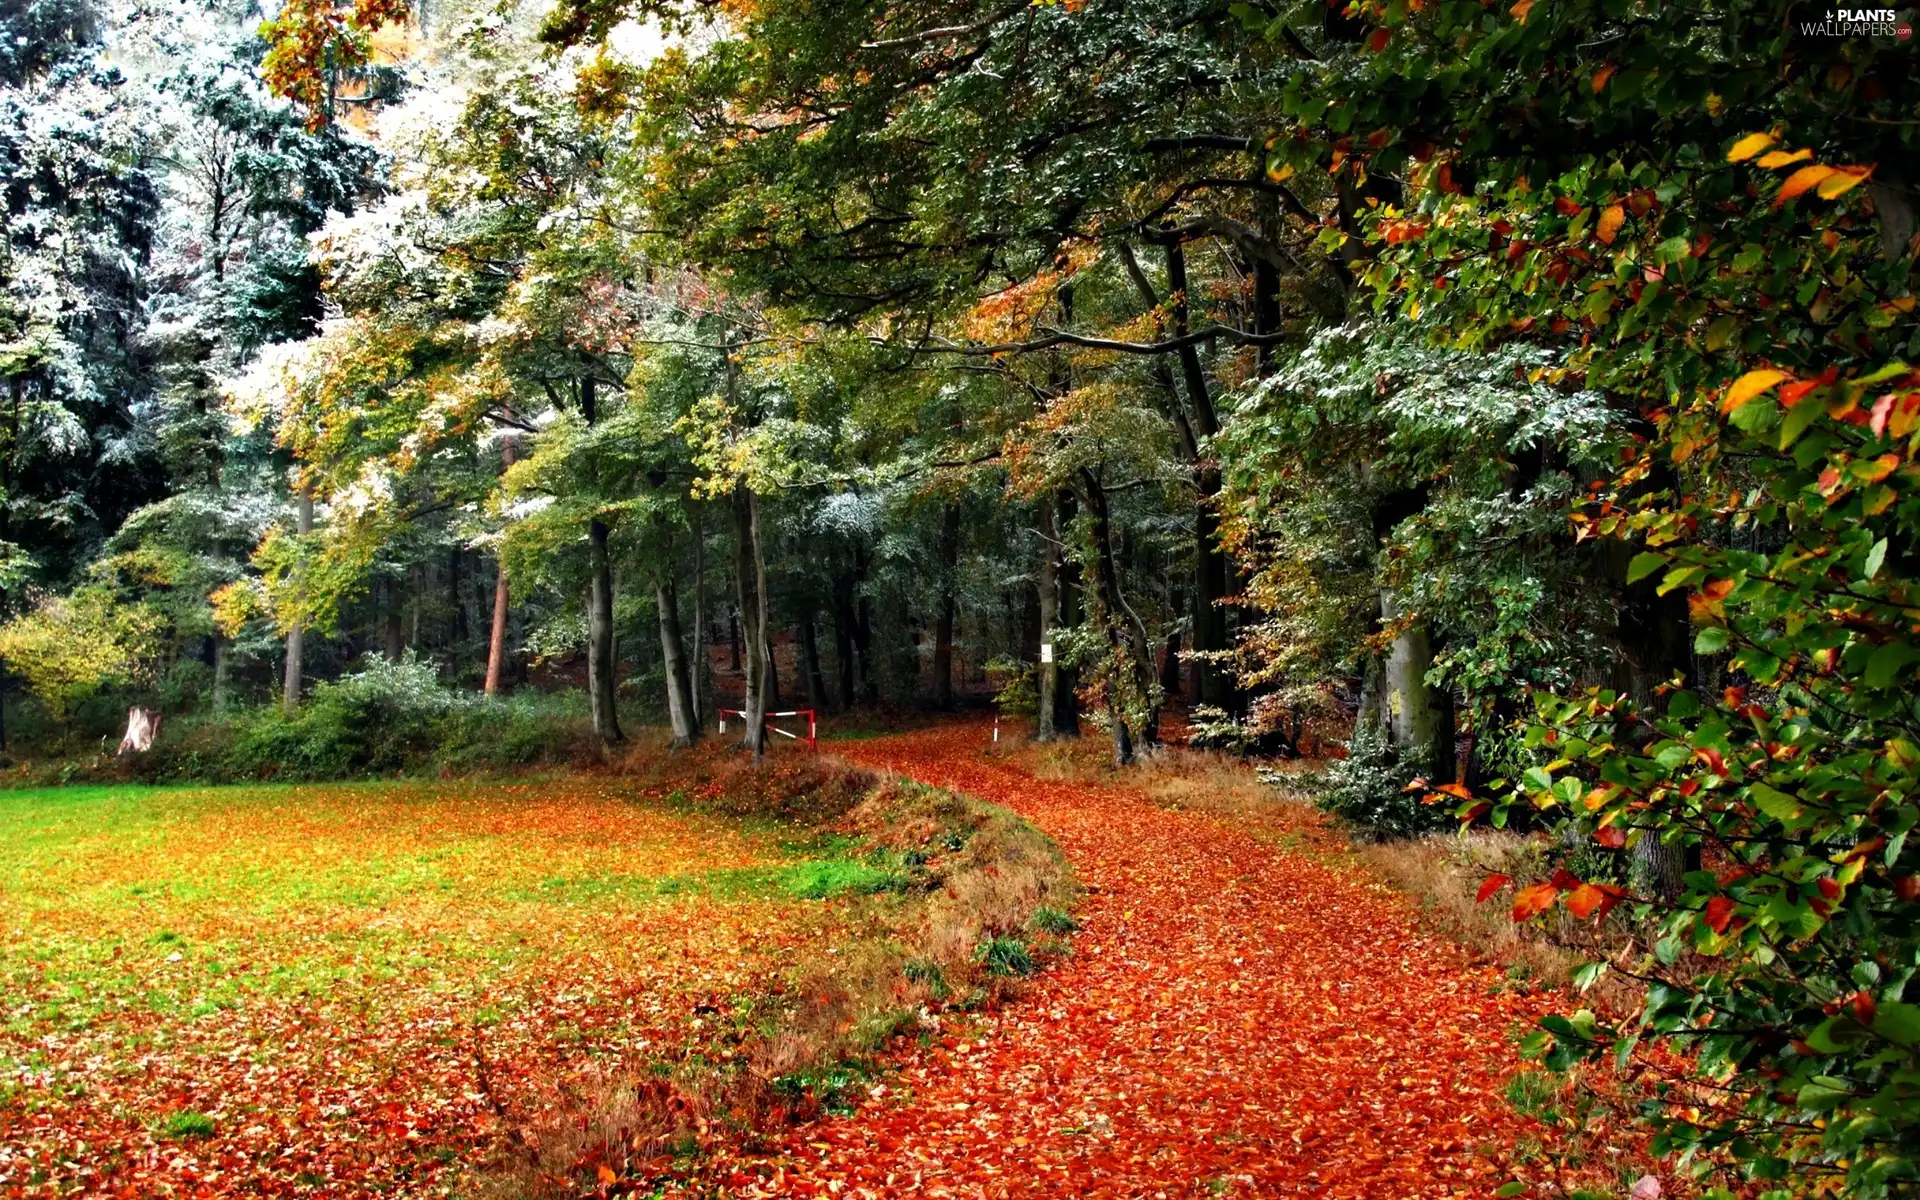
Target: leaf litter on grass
343, 991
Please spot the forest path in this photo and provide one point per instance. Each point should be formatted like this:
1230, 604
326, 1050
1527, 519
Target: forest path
1236, 1017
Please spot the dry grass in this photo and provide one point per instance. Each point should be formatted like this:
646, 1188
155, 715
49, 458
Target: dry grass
1176, 776
1443, 874
973, 873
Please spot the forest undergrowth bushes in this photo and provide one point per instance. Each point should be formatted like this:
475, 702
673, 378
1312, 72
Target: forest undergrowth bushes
963, 899
389, 718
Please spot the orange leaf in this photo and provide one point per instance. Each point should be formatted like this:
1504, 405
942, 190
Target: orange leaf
1842, 180
1798, 182
1456, 789
1784, 158
1534, 900
606, 1174
1611, 220
1719, 913
1601, 77
1586, 900
1489, 886
1521, 9
1748, 386
1790, 394
1749, 146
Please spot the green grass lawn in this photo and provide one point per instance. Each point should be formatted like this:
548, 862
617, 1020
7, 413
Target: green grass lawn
333, 990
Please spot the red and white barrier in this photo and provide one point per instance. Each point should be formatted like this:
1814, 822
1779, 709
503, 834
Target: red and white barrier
812, 738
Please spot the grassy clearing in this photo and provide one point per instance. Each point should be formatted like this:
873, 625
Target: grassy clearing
369, 988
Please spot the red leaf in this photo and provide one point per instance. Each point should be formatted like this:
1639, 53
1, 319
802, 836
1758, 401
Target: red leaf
1534, 900
1714, 762
1611, 836
1719, 913
1564, 879
1378, 41
1489, 886
1792, 393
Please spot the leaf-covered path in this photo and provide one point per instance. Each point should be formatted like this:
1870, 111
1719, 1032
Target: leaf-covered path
1235, 1018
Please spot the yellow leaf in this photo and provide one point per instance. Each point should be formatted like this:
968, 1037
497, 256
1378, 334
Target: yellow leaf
1748, 386
1784, 158
1799, 182
1749, 146
1610, 222
1841, 181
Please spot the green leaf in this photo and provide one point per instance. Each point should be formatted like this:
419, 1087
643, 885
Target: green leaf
1875, 557
1720, 333
1888, 662
1711, 640
1824, 1092
1644, 564
1899, 1023
1776, 804
1835, 1035
1516, 1188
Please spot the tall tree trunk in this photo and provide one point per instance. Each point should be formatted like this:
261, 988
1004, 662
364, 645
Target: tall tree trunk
750, 572
502, 603
1064, 705
1129, 677
456, 604
697, 688
680, 710
943, 626
394, 632
222, 657
863, 630
1211, 570
844, 619
1049, 671
1170, 665
602, 686
1418, 716
296, 637
497, 632
810, 664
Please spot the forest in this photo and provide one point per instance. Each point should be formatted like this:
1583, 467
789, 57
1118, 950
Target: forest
1488, 421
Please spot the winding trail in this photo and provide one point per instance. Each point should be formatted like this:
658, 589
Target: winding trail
1235, 1018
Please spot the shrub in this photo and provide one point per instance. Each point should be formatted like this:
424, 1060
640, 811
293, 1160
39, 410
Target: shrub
1368, 789
68, 648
